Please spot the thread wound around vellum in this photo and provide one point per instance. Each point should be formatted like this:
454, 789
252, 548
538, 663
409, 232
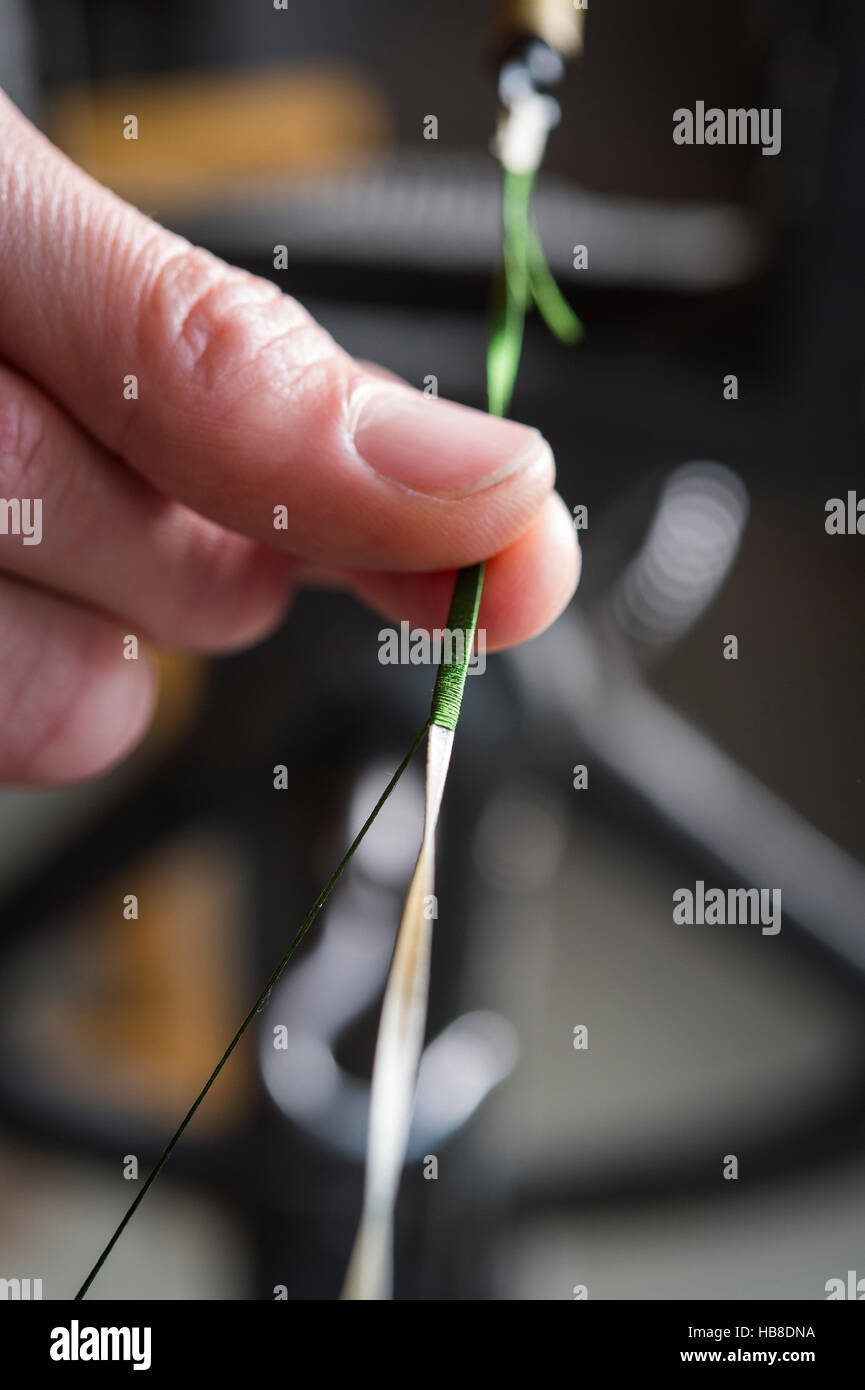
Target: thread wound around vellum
462, 618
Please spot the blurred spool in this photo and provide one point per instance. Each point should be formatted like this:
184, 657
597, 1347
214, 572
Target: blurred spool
686, 556
557, 22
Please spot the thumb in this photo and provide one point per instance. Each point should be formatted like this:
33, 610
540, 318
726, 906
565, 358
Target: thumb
228, 396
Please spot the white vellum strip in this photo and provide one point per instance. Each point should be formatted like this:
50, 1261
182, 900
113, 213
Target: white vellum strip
522, 135
398, 1051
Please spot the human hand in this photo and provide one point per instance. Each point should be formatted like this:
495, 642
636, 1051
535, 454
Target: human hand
157, 512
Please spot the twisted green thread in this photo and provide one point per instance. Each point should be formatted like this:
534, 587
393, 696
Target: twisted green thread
525, 280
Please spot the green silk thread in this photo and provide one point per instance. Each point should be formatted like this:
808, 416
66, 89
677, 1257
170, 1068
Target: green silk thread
525, 280
462, 618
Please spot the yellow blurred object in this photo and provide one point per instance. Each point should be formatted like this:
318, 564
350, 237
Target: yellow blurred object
147, 1001
181, 684
197, 134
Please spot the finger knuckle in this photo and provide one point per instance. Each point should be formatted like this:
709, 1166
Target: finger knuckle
22, 442
212, 324
53, 675
232, 597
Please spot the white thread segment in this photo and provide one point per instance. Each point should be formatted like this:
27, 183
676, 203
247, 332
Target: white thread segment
522, 134
398, 1051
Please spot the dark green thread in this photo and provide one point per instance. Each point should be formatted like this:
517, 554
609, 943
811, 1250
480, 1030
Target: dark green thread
256, 1009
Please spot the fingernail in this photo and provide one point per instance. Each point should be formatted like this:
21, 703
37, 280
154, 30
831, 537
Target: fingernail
438, 447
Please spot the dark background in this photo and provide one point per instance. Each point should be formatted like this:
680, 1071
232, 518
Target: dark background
601, 1168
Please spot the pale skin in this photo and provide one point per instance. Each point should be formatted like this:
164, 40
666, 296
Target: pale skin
158, 512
